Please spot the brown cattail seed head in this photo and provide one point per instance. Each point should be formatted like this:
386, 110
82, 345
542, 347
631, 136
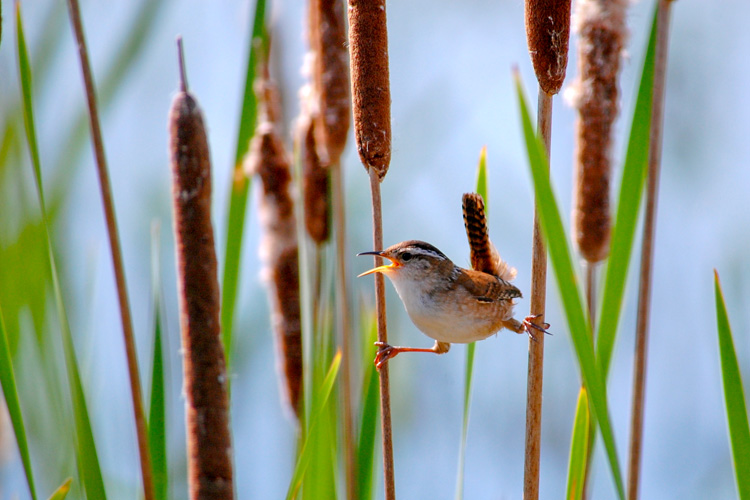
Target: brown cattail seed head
483, 254
279, 250
547, 34
601, 26
330, 77
315, 180
371, 94
207, 406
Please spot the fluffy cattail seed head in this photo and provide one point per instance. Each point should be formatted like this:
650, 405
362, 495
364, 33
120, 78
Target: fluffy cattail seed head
602, 33
330, 70
316, 181
269, 161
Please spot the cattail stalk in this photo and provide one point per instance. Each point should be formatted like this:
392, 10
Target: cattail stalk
115, 248
332, 113
209, 443
328, 41
371, 98
537, 306
344, 330
268, 160
602, 33
647, 248
547, 35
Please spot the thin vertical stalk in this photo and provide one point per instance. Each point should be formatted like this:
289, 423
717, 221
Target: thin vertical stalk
385, 388
114, 243
371, 108
344, 327
647, 248
590, 271
536, 345
547, 34
328, 41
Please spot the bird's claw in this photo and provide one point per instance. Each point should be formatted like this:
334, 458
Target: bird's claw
385, 352
528, 323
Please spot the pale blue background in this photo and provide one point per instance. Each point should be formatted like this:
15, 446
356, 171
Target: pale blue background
452, 93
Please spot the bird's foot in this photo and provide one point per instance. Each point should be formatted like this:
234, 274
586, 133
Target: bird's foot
385, 352
530, 326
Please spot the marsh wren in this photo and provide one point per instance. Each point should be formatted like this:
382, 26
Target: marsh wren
446, 302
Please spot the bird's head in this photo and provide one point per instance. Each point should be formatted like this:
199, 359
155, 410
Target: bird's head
409, 259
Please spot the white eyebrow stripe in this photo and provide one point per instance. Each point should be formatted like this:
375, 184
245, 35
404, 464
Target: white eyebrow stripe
415, 250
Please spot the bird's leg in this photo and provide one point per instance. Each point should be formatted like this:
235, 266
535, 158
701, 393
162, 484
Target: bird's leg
388, 351
527, 326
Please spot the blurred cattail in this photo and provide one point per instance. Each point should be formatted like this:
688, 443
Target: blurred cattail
330, 74
602, 33
315, 180
207, 403
371, 94
547, 35
269, 161
483, 254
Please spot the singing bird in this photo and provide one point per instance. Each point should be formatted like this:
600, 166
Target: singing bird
446, 302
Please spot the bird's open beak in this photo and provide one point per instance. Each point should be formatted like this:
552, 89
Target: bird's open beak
379, 269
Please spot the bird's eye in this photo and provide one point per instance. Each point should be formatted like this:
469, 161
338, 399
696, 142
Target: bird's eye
406, 256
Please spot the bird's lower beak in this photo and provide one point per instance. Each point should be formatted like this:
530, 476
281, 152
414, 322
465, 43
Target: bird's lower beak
379, 269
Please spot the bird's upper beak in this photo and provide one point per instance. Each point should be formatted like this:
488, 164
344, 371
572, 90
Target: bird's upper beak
379, 269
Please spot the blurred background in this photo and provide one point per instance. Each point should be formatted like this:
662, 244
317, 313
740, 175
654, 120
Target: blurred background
452, 93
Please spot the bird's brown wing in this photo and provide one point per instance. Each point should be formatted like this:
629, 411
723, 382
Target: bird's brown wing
485, 287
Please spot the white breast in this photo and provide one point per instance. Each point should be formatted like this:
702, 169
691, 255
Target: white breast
450, 322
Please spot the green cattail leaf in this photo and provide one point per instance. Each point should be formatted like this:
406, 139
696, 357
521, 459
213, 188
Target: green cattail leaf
320, 474
10, 391
157, 432
629, 201
88, 459
368, 426
482, 179
468, 379
579, 449
319, 406
481, 189
62, 491
734, 396
570, 291
157, 418
238, 192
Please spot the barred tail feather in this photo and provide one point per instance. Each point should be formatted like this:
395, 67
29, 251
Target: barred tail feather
484, 256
